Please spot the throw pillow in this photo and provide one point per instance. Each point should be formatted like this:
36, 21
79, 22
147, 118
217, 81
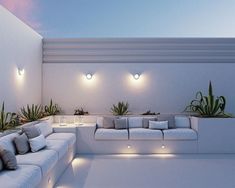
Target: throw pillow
31, 131
146, 121
22, 144
135, 122
108, 122
37, 143
182, 122
8, 159
158, 124
120, 123
1, 164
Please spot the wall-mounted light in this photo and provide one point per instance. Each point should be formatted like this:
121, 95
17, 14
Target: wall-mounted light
163, 146
20, 71
136, 76
128, 147
89, 76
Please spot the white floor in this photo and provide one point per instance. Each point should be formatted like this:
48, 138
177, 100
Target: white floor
150, 171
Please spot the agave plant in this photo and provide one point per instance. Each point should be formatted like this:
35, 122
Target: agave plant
120, 109
31, 113
208, 106
51, 109
7, 119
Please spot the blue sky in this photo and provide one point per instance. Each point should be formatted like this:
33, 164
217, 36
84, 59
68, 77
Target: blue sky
127, 18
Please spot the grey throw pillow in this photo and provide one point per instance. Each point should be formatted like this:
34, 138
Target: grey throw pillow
146, 121
120, 123
22, 144
108, 122
8, 159
31, 131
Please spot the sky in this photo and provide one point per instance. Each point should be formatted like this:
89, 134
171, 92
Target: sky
126, 18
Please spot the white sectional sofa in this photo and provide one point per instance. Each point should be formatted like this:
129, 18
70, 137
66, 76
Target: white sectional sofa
42, 168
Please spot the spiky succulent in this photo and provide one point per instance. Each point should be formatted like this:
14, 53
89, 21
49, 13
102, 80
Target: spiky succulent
208, 106
120, 109
51, 109
31, 113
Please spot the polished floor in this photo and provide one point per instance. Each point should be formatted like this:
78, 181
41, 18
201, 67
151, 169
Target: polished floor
150, 171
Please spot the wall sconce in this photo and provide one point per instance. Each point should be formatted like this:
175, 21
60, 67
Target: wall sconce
89, 76
136, 76
20, 71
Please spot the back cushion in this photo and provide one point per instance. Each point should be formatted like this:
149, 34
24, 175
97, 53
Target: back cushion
45, 128
169, 118
99, 122
7, 142
108, 122
182, 122
135, 122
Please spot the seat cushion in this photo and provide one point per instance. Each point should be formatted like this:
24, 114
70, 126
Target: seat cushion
45, 159
111, 134
145, 134
60, 146
7, 142
70, 138
26, 176
180, 134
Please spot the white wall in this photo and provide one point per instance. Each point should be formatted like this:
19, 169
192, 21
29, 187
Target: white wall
163, 87
20, 46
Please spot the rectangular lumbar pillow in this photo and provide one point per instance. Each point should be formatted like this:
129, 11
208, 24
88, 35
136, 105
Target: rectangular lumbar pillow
120, 123
158, 125
31, 131
8, 159
135, 122
22, 144
146, 121
182, 122
108, 122
37, 143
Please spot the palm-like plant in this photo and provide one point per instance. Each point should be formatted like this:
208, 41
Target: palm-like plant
120, 109
51, 109
7, 119
31, 113
208, 106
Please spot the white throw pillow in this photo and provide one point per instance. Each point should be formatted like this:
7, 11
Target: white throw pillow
37, 143
182, 122
158, 124
45, 128
135, 122
99, 122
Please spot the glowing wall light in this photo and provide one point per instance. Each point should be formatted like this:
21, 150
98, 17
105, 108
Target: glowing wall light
89, 76
136, 76
20, 71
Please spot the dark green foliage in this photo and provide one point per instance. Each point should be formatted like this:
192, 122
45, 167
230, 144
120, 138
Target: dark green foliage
148, 113
80, 112
208, 106
31, 113
120, 109
7, 119
51, 109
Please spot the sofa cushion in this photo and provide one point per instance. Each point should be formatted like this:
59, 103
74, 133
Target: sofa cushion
108, 122
60, 146
111, 134
120, 123
22, 144
45, 159
180, 134
8, 159
25, 176
45, 128
135, 122
7, 142
158, 125
167, 117
31, 131
70, 138
146, 121
182, 122
99, 122
37, 143
145, 134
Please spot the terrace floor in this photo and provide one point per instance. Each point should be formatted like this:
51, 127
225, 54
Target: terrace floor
150, 171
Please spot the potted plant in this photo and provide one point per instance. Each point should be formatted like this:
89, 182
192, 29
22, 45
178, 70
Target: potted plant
31, 113
51, 109
120, 109
215, 127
